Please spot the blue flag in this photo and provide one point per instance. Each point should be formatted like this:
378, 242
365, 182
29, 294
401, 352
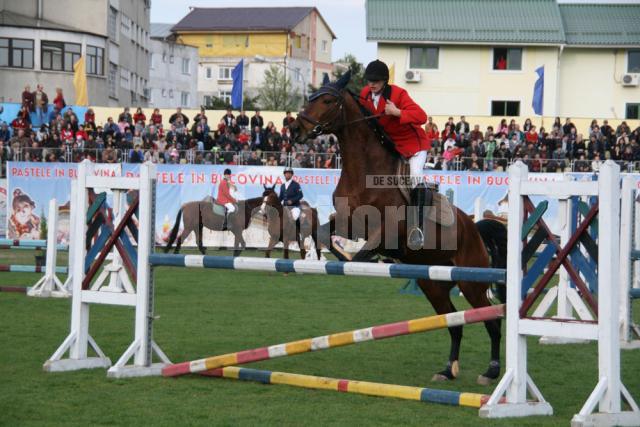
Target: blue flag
538, 92
236, 92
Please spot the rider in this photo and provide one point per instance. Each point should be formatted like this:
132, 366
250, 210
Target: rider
291, 193
224, 196
402, 120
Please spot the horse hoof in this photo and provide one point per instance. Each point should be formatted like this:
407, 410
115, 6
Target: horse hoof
482, 380
439, 378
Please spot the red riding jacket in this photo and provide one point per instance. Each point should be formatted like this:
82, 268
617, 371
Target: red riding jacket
224, 193
406, 131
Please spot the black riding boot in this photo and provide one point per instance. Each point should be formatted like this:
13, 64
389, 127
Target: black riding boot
415, 236
226, 218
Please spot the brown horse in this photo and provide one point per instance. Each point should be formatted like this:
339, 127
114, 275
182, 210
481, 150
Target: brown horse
282, 227
377, 214
201, 214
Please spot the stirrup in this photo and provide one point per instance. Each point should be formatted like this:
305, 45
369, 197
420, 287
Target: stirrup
415, 239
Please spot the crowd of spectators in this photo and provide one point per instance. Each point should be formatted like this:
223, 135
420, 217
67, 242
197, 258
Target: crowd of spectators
461, 147
240, 139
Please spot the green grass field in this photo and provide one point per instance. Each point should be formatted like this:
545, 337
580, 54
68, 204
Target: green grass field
208, 312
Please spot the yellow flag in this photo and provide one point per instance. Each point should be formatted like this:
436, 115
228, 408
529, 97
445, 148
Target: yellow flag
392, 73
80, 82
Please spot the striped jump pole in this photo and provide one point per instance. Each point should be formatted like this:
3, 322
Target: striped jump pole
339, 268
11, 268
31, 244
340, 339
446, 397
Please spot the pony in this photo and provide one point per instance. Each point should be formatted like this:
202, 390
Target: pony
367, 153
199, 214
282, 227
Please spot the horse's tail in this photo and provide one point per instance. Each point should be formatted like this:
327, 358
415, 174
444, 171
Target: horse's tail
174, 231
494, 236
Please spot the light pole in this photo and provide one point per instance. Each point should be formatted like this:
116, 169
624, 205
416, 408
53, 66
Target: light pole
297, 73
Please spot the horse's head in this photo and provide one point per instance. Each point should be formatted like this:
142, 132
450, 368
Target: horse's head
324, 112
269, 199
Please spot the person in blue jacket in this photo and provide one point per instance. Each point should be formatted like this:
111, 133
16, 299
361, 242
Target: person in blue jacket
291, 194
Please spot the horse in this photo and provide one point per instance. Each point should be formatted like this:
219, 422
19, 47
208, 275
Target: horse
365, 153
282, 227
199, 214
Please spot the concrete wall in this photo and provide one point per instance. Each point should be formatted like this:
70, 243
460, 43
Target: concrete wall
582, 83
598, 90
13, 80
212, 45
166, 76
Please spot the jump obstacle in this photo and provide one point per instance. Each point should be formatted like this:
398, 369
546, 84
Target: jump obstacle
49, 285
629, 262
509, 399
340, 339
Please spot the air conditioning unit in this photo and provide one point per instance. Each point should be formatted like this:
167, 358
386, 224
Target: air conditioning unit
630, 79
412, 76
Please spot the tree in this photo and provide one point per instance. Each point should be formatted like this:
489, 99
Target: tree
276, 92
350, 62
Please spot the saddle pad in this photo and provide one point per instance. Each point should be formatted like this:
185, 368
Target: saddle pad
218, 209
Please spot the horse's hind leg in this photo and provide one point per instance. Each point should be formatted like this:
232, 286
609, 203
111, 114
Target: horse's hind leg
438, 295
188, 228
199, 234
476, 294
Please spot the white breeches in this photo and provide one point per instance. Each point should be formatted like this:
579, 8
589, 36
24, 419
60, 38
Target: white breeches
416, 167
295, 213
231, 208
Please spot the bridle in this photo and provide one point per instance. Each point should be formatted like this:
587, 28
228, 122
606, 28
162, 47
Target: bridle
330, 125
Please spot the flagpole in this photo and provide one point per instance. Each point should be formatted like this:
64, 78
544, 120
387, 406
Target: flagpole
242, 88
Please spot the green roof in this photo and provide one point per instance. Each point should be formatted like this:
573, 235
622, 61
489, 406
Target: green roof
601, 24
502, 21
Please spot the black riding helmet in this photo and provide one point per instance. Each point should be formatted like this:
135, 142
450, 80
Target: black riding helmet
227, 171
376, 71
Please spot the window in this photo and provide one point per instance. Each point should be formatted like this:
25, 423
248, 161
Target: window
124, 78
171, 59
164, 93
225, 95
113, 24
113, 75
423, 57
298, 42
95, 60
235, 40
186, 65
206, 100
633, 112
224, 73
505, 108
152, 61
298, 74
633, 61
164, 57
325, 46
208, 73
16, 53
507, 58
171, 93
325, 77
184, 99
209, 45
59, 56
125, 26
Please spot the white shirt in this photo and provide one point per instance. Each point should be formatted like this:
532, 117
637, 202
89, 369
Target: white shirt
376, 99
287, 183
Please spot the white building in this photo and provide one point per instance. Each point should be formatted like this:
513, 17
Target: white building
41, 40
173, 76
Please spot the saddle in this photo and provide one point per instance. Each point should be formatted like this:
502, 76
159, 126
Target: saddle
218, 209
439, 210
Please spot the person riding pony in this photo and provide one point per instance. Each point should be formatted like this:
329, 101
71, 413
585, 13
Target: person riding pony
401, 118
